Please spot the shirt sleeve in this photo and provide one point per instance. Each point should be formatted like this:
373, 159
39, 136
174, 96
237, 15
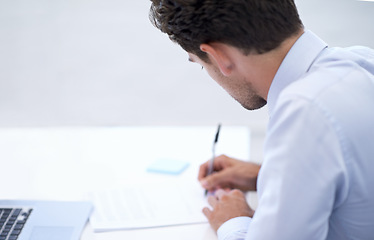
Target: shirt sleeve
234, 229
303, 178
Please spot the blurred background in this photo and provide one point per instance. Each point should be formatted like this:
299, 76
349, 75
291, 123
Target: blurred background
102, 63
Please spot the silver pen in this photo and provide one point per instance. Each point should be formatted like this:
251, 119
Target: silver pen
211, 162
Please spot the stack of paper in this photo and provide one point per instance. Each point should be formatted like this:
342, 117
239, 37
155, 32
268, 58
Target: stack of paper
145, 207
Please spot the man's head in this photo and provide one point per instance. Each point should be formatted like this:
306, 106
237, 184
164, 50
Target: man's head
250, 25
240, 43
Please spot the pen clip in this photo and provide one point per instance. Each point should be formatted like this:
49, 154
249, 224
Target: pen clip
217, 134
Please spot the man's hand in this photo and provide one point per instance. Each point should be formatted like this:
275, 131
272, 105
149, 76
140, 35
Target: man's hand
226, 205
229, 173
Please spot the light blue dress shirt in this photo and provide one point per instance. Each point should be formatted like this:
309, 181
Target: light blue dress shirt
317, 178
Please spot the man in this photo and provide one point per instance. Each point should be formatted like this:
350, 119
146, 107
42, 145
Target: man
317, 177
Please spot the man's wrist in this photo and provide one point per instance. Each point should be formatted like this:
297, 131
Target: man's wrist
235, 228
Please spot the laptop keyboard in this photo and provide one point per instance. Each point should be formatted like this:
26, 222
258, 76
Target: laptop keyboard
12, 221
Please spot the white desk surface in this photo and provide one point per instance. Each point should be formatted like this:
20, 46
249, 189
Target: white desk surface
67, 163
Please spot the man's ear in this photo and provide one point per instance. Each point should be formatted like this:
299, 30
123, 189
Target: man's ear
218, 53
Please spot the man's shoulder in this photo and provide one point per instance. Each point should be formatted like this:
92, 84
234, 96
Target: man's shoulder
336, 67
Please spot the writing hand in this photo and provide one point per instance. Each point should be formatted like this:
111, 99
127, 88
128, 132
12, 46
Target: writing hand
226, 205
229, 173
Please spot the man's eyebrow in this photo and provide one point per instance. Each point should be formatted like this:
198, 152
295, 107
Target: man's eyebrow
190, 59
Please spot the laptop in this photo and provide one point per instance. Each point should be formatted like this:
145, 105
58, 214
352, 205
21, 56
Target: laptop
42, 220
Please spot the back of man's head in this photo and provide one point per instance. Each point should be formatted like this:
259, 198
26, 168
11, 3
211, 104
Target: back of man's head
250, 25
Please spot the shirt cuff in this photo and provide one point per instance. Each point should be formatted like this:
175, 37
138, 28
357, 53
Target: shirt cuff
235, 228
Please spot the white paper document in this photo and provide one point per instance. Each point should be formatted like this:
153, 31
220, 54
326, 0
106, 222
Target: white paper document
145, 207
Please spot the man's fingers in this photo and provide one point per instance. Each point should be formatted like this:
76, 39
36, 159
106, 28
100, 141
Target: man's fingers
212, 200
220, 163
207, 212
203, 171
219, 193
216, 180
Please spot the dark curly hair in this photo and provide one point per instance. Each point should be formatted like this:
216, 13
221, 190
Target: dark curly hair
250, 25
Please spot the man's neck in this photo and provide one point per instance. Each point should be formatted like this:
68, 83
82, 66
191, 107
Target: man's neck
263, 67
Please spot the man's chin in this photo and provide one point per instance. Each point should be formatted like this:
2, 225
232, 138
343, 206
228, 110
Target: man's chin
254, 105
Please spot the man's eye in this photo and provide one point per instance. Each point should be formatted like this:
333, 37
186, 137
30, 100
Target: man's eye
202, 67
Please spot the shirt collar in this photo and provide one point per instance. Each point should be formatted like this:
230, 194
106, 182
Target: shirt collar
297, 62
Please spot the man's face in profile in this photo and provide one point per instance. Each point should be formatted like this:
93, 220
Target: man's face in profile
238, 86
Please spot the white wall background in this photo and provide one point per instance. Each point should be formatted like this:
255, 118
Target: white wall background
101, 62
